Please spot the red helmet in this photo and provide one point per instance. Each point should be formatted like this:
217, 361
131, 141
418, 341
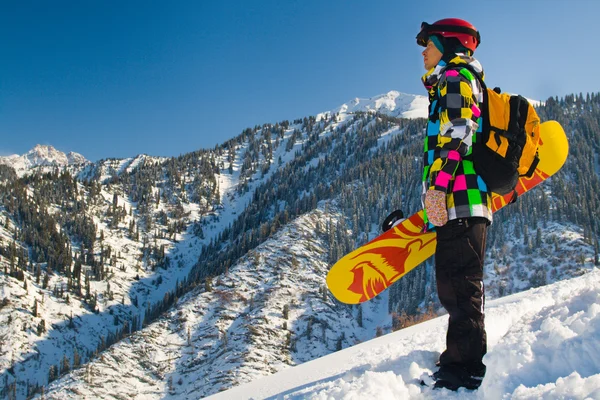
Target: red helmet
464, 31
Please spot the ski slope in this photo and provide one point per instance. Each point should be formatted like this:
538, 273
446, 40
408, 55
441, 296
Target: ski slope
542, 344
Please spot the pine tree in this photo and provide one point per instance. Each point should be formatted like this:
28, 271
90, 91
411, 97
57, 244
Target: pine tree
41, 328
52, 375
76, 359
65, 366
286, 311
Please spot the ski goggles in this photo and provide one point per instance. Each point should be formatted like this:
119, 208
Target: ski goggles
423, 35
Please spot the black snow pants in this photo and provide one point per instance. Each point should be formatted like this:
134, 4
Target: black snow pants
459, 274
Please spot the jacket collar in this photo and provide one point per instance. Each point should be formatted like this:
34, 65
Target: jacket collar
432, 77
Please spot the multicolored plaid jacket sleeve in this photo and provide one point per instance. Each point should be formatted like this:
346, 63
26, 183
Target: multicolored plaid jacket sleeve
454, 120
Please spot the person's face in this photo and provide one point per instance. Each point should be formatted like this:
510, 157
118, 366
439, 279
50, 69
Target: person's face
431, 56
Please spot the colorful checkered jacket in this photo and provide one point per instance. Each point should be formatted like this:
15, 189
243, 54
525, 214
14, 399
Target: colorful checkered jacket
454, 120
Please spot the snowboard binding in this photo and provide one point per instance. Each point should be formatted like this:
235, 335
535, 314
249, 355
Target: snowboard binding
392, 220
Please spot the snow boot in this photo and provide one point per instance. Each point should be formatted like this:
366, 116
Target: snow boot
455, 378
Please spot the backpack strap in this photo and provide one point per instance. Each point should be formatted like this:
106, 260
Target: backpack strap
518, 108
519, 111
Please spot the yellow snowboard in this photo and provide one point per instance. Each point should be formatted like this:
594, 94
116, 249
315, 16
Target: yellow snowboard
372, 268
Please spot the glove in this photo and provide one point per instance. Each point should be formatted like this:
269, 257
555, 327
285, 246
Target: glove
435, 206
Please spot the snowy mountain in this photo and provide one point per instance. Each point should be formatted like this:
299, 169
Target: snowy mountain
271, 312
182, 277
393, 103
42, 156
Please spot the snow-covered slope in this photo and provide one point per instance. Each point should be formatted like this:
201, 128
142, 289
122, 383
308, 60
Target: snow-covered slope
542, 343
271, 311
110, 168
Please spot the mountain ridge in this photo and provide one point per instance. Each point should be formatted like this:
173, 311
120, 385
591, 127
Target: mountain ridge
393, 103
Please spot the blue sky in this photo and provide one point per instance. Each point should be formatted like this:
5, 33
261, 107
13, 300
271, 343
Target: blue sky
120, 78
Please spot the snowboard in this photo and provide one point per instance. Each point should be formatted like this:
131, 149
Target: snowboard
369, 270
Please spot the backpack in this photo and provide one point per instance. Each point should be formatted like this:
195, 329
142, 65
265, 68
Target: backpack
506, 148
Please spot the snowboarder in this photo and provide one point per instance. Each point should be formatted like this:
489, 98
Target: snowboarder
456, 200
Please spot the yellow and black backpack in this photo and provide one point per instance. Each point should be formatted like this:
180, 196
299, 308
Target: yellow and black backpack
506, 148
